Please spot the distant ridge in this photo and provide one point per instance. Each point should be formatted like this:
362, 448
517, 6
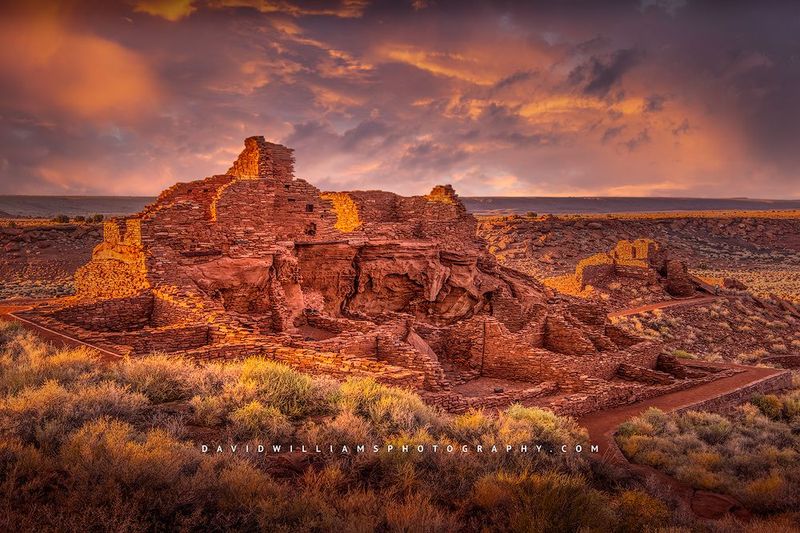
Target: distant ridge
606, 205
49, 206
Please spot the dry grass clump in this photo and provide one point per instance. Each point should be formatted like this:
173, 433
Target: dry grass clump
752, 454
262, 386
26, 361
162, 378
387, 409
256, 420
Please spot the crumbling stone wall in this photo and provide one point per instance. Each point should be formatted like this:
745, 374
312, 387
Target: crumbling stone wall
367, 283
641, 259
111, 314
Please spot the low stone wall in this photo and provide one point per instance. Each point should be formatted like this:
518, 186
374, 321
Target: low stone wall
117, 314
604, 396
729, 400
456, 403
643, 375
786, 361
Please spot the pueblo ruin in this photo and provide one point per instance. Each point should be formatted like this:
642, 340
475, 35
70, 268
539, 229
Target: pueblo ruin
362, 283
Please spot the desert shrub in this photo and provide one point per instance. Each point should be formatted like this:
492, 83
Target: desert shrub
751, 454
8, 330
164, 483
25, 361
700, 477
162, 378
61, 219
710, 427
255, 420
259, 382
345, 428
470, 427
637, 511
296, 395
44, 415
79, 218
388, 410
549, 502
520, 425
767, 493
97, 218
769, 405
418, 513
210, 411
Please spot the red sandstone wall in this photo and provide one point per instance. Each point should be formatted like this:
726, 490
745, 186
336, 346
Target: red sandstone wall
116, 314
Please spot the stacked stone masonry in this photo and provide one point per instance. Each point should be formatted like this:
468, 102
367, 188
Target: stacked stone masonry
360, 283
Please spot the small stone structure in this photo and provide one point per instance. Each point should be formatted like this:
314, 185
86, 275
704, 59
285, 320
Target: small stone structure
642, 259
362, 283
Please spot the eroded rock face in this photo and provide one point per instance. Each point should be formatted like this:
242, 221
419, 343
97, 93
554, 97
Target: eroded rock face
362, 282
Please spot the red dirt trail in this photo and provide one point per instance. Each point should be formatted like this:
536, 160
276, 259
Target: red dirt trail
698, 300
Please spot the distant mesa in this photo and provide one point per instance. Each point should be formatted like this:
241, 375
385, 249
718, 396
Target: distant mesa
359, 283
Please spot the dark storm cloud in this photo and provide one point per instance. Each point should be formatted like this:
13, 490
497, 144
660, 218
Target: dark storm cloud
654, 103
611, 133
599, 75
681, 128
523, 75
643, 137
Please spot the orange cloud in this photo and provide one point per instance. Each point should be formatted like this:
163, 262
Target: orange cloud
340, 9
172, 10
446, 64
48, 66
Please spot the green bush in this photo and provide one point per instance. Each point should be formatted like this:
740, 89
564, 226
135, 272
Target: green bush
255, 420
294, 394
388, 409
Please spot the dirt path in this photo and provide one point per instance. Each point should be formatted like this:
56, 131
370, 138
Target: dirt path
602, 426
698, 300
57, 339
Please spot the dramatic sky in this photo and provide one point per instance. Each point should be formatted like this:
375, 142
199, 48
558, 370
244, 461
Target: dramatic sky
625, 98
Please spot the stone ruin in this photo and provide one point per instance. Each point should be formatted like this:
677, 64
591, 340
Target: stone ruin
644, 260
362, 283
